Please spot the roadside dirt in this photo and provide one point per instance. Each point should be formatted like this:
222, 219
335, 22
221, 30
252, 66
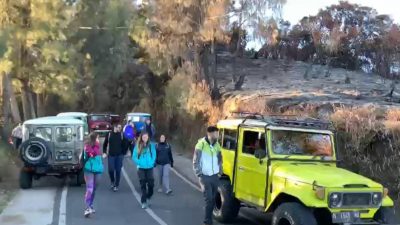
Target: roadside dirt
8, 175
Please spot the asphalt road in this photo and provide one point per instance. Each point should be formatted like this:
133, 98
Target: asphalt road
54, 201
183, 207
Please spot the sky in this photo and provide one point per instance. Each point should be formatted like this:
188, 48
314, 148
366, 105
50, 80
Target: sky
294, 10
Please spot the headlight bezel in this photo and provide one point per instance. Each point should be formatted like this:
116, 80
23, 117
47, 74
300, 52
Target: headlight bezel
338, 200
378, 200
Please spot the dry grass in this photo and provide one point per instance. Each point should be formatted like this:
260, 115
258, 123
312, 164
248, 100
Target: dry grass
368, 144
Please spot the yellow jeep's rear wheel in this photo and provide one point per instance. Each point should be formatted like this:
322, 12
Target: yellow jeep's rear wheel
226, 205
293, 213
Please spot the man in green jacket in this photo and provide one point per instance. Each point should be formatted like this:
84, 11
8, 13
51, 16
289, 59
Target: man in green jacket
207, 164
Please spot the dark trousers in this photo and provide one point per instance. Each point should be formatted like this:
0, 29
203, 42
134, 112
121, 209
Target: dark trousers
114, 169
209, 186
17, 142
146, 179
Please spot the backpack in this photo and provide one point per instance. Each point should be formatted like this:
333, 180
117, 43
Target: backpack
129, 132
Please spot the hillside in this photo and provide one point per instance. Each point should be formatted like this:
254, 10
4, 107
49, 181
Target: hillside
284, 85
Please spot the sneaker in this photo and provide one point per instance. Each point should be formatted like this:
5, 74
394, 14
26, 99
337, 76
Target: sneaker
168, 192
115, 189
87, 212
144, 205
159, 190
148, 202
92, 210
112, 186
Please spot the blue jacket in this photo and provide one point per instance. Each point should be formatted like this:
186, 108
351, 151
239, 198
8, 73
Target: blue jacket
147, 159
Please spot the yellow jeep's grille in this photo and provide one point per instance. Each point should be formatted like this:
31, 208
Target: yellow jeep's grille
356, 199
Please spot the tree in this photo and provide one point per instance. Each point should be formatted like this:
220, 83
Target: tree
37, 52
102, 34
252, 15
182, 31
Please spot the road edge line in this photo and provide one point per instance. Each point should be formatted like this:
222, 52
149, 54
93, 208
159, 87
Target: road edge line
137, 197
62, 217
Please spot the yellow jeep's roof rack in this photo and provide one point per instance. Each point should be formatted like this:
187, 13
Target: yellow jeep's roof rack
294, 121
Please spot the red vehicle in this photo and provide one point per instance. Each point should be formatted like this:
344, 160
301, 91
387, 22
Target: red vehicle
100, 123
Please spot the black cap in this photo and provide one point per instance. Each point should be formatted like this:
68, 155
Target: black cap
211, 129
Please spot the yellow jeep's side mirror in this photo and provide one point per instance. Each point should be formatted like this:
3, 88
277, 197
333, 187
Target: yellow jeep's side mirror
260, 154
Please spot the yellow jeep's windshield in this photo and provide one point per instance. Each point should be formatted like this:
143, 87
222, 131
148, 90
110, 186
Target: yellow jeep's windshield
287, 142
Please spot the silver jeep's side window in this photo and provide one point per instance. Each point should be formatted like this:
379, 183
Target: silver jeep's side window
64, 134
44, 133
80, 133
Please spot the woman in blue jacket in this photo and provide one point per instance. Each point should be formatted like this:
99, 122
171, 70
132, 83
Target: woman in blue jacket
144, 156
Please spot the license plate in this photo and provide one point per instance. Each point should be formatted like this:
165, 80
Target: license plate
345, 217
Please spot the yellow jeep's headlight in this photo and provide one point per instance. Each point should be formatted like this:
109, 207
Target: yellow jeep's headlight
335, 200
376, 198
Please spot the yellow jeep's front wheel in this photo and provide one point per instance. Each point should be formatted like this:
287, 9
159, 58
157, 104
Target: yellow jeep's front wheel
226, 205
293, 213
386, 215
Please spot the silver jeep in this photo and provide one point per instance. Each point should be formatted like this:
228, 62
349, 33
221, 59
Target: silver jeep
51, 146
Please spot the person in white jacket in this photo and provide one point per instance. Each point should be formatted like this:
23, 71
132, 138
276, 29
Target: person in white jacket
207, 164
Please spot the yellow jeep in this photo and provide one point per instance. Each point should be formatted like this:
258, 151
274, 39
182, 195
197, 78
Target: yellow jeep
288, 167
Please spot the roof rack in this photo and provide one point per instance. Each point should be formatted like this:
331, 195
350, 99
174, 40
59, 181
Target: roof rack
303, 123
248, 115
295, 121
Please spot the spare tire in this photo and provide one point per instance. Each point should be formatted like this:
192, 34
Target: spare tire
35, 151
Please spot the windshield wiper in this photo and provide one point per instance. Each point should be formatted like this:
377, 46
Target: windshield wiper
294, 153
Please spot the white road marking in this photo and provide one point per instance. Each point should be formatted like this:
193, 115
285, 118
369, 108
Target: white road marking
197, 187
62, 218
137, 196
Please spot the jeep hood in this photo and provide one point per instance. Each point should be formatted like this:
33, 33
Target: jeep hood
322, 174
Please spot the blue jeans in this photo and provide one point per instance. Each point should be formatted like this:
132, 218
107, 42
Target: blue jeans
114, 169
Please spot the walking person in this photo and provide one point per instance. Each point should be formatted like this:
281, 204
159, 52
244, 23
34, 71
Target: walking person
207, 164
92, 168
165, 162
144, 156
130, 134
16, 135
149, 129
114, 148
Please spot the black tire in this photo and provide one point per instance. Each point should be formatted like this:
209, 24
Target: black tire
386, 215
35, 151
80, 178
293, 213
226, 205
25, 179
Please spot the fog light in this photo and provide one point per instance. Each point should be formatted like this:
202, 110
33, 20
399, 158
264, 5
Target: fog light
385, 192
320, 192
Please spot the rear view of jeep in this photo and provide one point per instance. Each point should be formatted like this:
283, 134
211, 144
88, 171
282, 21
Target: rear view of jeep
51, 147
288, 167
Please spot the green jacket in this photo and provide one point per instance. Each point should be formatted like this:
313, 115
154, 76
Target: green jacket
207, 158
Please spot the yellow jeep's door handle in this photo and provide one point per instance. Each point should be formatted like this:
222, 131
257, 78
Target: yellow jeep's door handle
241, 168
